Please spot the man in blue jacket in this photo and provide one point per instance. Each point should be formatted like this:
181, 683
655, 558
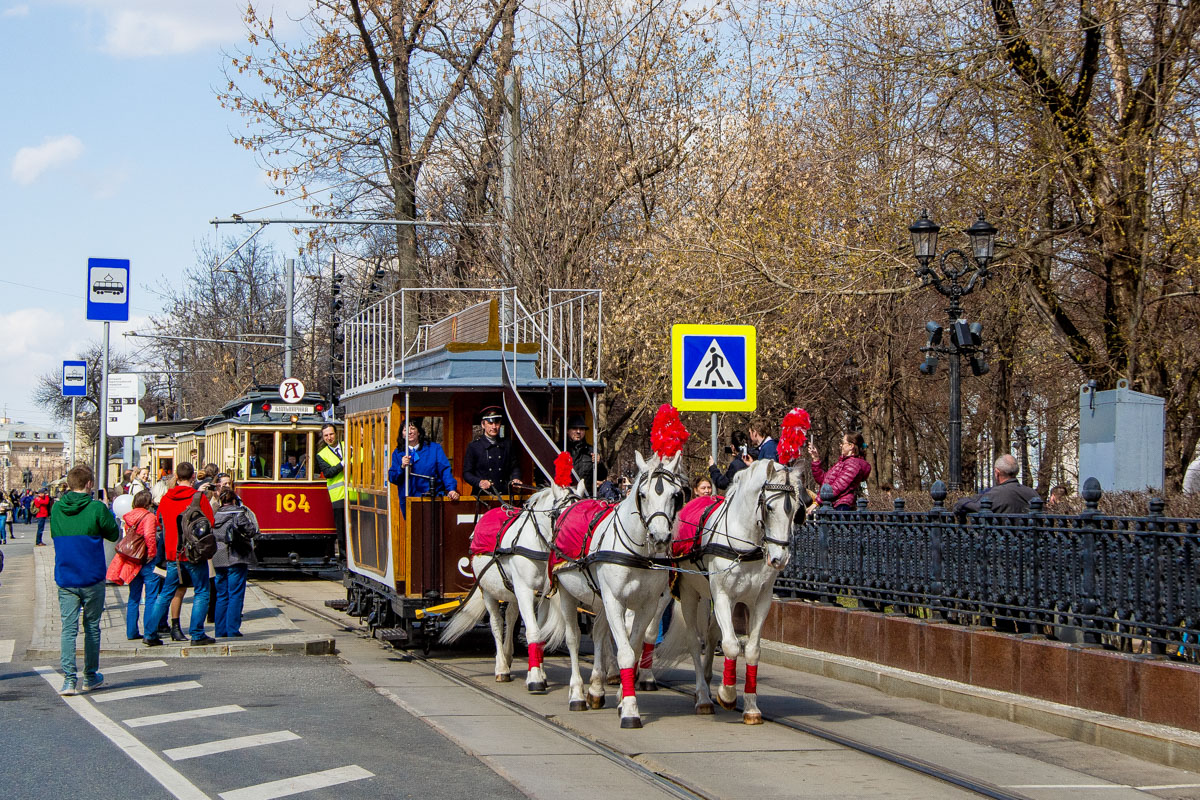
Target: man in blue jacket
428, 468
79, 525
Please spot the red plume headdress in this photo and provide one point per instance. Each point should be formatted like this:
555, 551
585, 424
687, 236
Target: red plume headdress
793, 433
667, 434
562, 470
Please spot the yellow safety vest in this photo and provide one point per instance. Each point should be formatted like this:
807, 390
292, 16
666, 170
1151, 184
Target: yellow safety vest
337, 484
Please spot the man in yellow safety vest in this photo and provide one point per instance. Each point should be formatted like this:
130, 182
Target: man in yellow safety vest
333, 468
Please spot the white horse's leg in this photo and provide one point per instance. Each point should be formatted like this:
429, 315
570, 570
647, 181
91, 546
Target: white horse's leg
510, 635
602, 658
535, 680
695, 619
496, 621
758, 615
723, 609
626, 658
645, 677
566, 607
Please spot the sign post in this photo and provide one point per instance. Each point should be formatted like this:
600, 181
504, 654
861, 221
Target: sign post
108, 302
74, 386
714, 368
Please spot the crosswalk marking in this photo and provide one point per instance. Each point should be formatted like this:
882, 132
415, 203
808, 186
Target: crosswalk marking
225, 745
177, 716
134, 667
6, 650
145, 691
298, 784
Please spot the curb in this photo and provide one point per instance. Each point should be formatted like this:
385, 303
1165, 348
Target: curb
1162, 744
310, 647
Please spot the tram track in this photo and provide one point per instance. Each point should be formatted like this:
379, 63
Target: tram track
662, 781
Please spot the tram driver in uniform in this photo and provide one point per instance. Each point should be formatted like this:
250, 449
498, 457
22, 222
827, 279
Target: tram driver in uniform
490, 466
428, 468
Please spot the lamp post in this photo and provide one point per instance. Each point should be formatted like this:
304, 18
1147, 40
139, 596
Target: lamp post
953, 267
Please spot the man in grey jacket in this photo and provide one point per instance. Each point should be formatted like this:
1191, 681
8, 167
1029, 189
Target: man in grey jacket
1007, 495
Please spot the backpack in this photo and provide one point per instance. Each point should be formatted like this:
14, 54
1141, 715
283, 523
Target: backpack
196, 542
160, 543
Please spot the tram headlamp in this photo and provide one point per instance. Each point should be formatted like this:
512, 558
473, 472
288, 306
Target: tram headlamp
295, 418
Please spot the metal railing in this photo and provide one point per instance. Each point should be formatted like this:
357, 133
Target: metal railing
380, 339
1130, 583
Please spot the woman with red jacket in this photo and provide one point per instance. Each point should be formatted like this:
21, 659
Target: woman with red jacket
138, 575
844, 476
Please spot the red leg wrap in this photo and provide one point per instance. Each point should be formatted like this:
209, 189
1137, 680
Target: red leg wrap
752, 679
535, 654
730, 677
647, 655
627, 682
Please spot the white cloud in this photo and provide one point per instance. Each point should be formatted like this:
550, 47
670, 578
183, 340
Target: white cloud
16, 11
30, 162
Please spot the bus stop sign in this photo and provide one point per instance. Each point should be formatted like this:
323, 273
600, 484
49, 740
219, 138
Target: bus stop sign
108, 289
714, 367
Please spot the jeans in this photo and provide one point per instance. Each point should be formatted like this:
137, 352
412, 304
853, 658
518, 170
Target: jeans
231, 596
41, 527
199, 574
70, 601
152, 583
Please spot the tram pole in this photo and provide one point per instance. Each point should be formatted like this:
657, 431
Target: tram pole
74, 433
102, 445
287, 331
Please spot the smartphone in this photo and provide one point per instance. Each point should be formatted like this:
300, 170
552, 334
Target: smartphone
743, 451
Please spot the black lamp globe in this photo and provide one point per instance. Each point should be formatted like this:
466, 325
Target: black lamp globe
924, 234
983, 240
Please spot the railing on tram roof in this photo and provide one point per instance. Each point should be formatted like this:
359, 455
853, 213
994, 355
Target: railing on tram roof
1130, 583
381, 339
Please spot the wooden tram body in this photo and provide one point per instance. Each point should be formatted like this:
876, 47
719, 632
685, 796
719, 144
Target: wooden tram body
408, 564
250, 438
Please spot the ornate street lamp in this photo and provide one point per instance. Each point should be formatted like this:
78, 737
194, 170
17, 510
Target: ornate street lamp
965, 339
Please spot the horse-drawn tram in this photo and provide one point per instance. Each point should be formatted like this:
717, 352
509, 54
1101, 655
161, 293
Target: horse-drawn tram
269, 446
482, 353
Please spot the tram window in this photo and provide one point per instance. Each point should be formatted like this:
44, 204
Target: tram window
295, 457
260, 462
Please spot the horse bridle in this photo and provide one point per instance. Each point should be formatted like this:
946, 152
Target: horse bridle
659, 474
764, 506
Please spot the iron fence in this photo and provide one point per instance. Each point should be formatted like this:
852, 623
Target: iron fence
1130, 583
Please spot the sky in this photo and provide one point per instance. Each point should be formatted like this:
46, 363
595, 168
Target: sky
112, 144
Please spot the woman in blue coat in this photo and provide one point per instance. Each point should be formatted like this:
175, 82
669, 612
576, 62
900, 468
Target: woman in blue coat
428, 468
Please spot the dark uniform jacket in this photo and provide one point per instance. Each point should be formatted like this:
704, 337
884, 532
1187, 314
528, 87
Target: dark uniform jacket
491, 461
582, 459
1010, 497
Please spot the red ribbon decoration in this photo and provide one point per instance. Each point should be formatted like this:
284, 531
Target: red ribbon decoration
667, 433
562, 470
793, 433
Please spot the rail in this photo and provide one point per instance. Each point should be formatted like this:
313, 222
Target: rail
1130, 583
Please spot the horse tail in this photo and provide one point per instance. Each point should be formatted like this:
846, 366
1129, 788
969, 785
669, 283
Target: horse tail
674, 645
551, 623
466, 618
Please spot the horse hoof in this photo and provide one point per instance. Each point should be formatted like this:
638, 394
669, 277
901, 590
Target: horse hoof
578, 705
752, 719
505, 678
631, 722
595, 702
730, 706
538, 687
647, 686
705, 710
613, 680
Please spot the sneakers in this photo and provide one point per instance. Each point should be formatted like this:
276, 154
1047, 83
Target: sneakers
204, 640
95, 683
68, 688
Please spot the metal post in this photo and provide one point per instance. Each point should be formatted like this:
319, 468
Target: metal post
955, 422
73, 435
714, 437
287, 331
102, 445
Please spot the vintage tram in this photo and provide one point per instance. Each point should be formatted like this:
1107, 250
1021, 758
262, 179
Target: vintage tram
269, 447
407, 565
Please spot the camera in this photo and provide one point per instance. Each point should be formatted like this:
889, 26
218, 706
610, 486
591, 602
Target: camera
729, 450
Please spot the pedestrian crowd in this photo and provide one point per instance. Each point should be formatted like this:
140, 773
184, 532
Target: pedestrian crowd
188, 531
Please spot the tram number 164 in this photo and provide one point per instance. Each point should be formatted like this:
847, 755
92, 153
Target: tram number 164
289, 503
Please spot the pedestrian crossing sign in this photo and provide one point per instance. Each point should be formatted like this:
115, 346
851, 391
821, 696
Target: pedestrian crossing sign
713, 367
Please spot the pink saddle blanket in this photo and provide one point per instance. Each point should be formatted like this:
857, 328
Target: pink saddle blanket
575, 527
692, 518
490, 529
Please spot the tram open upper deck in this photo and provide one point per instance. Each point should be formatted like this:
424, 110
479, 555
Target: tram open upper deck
484, 348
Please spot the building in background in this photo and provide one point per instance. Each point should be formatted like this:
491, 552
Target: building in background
30, 455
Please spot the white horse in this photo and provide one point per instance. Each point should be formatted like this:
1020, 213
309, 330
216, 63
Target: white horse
516, 574
616, 574
744, 546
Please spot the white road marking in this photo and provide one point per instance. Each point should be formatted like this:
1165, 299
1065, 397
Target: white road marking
298, 784
1067, 786
177, 716
145, 691
1168, 786
172, 780
6, 650
133, 667
224, 745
